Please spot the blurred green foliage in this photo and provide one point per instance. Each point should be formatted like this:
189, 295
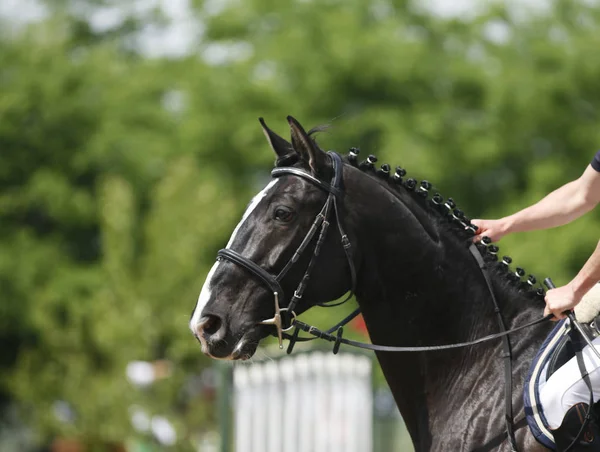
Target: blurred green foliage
122, 174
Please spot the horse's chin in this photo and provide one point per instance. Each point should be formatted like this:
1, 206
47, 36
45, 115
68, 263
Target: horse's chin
243, 349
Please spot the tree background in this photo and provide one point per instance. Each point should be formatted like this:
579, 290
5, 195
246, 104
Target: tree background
123, 170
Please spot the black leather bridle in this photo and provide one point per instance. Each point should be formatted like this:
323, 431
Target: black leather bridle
321, 224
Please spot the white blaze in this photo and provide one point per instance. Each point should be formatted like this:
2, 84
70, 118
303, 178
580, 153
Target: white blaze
206, 291
258, 198
203, 298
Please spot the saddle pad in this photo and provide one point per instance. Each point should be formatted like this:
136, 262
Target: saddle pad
537, 377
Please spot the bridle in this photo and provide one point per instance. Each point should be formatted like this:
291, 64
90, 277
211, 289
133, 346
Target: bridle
321, 225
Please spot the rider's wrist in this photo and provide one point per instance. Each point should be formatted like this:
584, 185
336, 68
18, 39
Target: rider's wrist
579, 287
506, 225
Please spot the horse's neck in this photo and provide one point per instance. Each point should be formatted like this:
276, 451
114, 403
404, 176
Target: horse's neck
416, 281
420, 286
405, 303
416, 273
411, 297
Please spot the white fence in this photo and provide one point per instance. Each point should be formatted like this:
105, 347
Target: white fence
309, 402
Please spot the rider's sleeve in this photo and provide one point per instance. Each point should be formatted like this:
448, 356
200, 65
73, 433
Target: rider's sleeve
596, 162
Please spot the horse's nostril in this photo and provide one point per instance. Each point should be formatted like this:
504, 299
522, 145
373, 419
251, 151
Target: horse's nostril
209, 325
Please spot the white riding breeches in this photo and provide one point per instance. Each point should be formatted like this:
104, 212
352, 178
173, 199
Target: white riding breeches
566, 387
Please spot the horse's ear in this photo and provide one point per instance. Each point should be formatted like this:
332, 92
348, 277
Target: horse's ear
280, 146
306, 147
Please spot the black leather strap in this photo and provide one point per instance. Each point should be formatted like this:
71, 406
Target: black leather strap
314, 331
506, 348
305, 242
579, 345
339, 213
264, 275
278, 172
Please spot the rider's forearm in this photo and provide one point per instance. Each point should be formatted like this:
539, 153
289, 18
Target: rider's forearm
560, 207
588, 275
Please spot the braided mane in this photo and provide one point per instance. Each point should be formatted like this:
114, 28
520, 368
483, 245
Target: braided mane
450, 217
443, 211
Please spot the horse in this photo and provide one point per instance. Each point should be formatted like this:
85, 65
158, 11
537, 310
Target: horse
408, 259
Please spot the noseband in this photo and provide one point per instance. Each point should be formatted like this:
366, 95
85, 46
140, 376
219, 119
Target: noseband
321, 224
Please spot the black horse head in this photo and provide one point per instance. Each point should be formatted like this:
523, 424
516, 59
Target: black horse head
416, 283
235, 299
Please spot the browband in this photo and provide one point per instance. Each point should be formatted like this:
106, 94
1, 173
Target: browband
278, 172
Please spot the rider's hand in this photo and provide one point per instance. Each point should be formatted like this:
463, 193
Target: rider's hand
560, 300
494, 229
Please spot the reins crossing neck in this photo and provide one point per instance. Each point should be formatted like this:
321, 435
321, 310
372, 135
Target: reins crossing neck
507, 351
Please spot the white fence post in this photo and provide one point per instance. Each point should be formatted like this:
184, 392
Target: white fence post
310, 402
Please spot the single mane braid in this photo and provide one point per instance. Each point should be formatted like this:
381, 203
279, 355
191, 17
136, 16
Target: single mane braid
447, 213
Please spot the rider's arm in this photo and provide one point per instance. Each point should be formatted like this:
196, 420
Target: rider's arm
559, 207
567, 297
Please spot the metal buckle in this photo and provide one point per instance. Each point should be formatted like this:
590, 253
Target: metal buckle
292, 321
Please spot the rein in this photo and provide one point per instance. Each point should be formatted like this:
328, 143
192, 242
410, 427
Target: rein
507, 356
339, 339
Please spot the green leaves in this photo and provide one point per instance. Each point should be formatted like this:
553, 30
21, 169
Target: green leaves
121, 175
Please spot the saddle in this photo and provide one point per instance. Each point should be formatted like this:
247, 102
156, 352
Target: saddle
588, 314
554, 353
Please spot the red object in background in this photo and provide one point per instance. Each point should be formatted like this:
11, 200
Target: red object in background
66, 445
72, 445
359, 325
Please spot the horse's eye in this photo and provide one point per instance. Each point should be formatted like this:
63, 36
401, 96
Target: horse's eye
284, 214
